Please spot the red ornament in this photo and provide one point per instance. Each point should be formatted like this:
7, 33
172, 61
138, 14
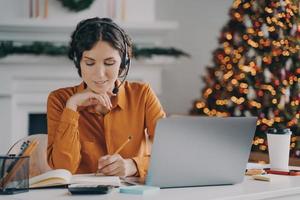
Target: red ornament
264, 127
220, 56
273, 4
256, 24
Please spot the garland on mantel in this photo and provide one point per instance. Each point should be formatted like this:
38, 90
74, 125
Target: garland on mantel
47, 48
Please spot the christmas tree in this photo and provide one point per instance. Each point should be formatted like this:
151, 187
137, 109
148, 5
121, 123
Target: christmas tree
256, 68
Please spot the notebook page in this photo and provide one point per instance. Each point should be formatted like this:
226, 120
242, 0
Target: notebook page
92, 179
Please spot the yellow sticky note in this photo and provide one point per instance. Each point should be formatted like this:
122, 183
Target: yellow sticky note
264, 177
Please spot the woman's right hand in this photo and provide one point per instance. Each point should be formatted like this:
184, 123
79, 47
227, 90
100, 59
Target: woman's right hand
89, 98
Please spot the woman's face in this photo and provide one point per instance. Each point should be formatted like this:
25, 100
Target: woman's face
100, 67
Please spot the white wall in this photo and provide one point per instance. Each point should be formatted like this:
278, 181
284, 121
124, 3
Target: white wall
200, 24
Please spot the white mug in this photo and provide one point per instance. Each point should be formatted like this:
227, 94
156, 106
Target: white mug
279, 148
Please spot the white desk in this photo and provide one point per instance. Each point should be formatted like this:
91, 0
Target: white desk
280, 187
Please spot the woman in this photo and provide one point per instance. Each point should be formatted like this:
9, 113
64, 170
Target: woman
87, 123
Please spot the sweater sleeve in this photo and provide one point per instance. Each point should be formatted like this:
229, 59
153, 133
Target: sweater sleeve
63, 151
153, 112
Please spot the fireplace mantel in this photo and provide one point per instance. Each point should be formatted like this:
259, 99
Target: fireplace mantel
59, 30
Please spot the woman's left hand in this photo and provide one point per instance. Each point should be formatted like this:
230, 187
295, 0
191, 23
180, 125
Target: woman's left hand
115, 165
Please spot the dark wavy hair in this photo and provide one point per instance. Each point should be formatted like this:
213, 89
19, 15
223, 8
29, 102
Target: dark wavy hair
89, 31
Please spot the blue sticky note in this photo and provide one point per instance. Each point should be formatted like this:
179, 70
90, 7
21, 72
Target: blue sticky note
139, 189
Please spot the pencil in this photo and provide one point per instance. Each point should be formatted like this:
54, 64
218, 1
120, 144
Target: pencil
123, 145
117, 151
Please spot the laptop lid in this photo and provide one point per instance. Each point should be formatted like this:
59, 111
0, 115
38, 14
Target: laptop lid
198, 151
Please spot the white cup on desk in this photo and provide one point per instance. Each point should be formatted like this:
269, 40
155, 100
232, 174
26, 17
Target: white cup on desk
279, 148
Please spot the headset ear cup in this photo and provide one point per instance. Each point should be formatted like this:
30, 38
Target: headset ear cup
128, 62
75, 59
124, 63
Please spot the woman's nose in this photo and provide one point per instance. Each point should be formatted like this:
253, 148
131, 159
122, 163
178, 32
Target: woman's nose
100, 71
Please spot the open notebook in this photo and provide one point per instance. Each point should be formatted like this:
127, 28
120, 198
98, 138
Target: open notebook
63, 177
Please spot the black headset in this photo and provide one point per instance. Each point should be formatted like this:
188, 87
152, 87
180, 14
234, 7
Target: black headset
125, 59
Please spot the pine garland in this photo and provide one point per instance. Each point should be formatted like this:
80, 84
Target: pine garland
37, 48
149, 52
47, 48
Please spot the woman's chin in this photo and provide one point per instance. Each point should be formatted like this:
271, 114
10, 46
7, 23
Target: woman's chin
98, 90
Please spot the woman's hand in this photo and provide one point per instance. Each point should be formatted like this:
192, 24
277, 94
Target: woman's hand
89, 98
115, 165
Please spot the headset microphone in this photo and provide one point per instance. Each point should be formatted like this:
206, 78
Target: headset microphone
116, 88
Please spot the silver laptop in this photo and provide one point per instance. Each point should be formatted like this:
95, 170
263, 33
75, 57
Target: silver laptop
199, 151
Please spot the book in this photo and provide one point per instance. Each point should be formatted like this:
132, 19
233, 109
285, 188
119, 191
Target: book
139, 189
60, 177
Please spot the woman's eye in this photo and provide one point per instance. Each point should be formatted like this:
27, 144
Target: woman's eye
109, 63
89, 64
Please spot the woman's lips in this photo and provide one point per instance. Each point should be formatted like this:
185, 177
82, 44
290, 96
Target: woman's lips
100, 82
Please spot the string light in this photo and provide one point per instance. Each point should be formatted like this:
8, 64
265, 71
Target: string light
228, 36
234, 81
243, 85
268, 122
237, 100
236, 4
255, 104
268, 10
228, 75
200, 105
229, 66
207, 92
271, 29
246, 5
269, 88
252, 43
245, 37
222, 102
277, 119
